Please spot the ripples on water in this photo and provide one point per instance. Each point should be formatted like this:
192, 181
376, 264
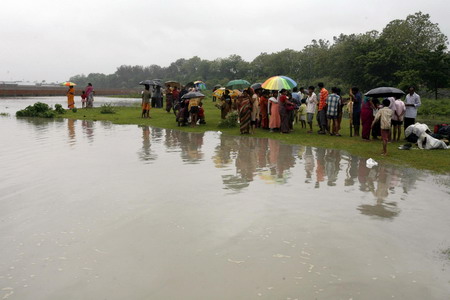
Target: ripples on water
93, 210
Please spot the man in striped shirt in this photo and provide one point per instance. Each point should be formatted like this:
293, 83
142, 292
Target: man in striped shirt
333, 102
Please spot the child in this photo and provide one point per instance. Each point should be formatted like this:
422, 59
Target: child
201, 114
302, 113
146, 96
83, 99
193, 110
385, 116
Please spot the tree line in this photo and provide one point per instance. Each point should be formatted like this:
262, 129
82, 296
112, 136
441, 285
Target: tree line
411, 51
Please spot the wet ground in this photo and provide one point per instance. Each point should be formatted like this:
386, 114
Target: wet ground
91, 210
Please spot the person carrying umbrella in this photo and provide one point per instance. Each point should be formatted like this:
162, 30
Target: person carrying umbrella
70, 97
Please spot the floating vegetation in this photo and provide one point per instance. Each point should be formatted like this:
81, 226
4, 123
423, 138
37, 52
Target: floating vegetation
4, 114
40, 110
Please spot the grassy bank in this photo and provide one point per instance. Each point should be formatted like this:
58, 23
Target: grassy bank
437, 160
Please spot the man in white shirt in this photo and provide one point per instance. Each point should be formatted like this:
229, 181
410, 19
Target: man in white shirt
412, 102
311, 104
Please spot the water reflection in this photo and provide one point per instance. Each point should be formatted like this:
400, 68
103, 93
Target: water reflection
71, 131
146, 154
191, 147
88, 129
246, 161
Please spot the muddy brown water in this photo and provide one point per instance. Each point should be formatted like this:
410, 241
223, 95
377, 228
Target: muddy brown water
91, 210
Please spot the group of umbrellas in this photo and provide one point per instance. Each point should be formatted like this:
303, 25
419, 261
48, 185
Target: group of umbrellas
273, 83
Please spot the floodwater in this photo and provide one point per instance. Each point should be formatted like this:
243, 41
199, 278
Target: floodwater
91, 210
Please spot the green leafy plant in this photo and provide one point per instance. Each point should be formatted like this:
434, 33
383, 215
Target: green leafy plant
230, 121
74, 110
39, 109
4, 114
107, 108
59, 109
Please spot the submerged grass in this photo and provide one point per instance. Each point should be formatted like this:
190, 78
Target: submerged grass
434, 160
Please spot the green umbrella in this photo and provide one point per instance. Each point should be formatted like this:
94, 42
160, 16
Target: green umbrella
238, 84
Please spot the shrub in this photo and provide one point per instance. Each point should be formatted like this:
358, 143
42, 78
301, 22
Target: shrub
107, 108
74, 109
230, 121
59, 109
39, 109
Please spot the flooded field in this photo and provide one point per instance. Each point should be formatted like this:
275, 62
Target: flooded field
91, 210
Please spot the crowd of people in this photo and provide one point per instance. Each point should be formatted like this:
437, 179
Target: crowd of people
279, 111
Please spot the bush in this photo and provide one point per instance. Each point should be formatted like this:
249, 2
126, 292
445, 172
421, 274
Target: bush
59, 109
230, 121
74, 110
39, 110
107, 108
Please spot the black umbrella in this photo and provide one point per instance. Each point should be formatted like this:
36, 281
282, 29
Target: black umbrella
382, 92
191, 95
189, 84
147, 82
256, 86
150, 82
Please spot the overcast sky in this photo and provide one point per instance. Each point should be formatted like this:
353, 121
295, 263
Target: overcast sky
55, 39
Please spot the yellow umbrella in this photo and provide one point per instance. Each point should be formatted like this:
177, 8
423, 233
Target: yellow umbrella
219, 92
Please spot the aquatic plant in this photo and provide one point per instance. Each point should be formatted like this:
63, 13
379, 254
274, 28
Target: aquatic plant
107, 108
4, 114
39, 109
230, 121
59, 109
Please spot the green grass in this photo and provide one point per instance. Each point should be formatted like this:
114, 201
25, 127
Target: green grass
435, 160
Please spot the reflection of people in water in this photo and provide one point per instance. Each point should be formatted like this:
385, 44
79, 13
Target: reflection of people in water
332, 162
88, 129
246, 163
382, 181
352, 170
71, 130
191, 147
308, 158
320, 170
146, 154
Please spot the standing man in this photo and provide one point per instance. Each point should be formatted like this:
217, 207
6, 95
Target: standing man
333, 103
311, 104
322, 112
356, 116
412, 103
397, 119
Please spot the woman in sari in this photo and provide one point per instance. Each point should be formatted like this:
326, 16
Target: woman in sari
70, 97
285, 107
367, 117
225, 106
90, 95
245, 111
275, 121
263, 109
